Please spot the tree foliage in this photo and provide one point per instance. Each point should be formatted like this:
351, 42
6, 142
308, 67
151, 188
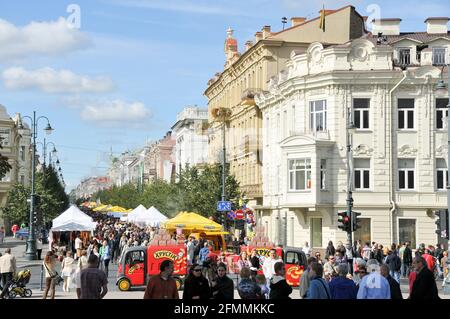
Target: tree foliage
197, 190
51, 198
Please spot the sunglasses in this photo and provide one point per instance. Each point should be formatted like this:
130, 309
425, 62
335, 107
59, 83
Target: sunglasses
197, 270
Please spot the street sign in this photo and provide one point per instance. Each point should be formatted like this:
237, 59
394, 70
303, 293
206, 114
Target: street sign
240, 214
223, 206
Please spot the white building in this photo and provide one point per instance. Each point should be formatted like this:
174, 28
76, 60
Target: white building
399, 146
191, 137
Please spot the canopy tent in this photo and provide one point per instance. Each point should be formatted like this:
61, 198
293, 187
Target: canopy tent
134, 213
150, 217
74, 219
192, 222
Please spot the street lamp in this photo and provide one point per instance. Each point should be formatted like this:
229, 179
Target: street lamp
441, 88
351, 128
31, 241
44, 151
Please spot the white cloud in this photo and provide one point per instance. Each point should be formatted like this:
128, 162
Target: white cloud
116, 113
39, 38
55, 81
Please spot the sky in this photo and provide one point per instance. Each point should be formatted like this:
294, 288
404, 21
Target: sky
111, 75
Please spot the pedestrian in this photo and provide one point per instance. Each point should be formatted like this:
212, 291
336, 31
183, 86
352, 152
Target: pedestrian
67, 270
429, 258
424, 285
373, 285
50, 274
342, 287
203, 254
7, 269
39, 248
222, 286
330, 268
330, 251
93, 283
196, 285
444, 264
305, 279
394, 262
248, 288
15, 229
394, 286
319, 258
254, 263
407, 259
190, 247
269, 263
2, 234
279, 288
306, 249
366, 251
162, 286
105, 257
78, 245
261, 281
318, 287
360, 271
349, 255
243, 261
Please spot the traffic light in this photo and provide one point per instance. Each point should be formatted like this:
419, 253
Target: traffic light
442, 223
356, 220
35, 217
344, 219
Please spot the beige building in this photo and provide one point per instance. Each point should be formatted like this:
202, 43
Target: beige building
247, 74
387, 83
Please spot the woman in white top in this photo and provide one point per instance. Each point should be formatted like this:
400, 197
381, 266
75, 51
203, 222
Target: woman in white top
49, 268
67, 270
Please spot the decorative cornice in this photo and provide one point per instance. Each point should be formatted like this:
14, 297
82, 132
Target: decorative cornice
407, 151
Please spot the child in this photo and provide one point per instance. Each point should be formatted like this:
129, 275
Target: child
262, 282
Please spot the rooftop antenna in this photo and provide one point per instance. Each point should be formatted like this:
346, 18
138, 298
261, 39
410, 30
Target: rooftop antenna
284, 21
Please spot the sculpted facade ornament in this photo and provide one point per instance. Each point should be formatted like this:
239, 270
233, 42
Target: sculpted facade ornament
407, 151
363, 150
441, 151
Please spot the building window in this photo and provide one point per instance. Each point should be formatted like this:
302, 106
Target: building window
267, 130
404, 56
441, 113
406, 173
22, 153
323, 174
362, 173
361, 113
318, 115
299, 174
285, 124
441, 174
22, 179
406, 114
316, 232
364, 232
407, 231
438, 56
4, 136
293, 119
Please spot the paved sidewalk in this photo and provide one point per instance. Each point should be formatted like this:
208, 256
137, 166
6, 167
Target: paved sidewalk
18, 250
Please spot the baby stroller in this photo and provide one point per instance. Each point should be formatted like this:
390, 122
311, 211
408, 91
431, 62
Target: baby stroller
17, 286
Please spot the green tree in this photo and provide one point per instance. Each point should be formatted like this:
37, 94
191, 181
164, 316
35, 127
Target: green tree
17, 209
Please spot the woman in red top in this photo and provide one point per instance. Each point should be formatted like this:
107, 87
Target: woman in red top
14, 229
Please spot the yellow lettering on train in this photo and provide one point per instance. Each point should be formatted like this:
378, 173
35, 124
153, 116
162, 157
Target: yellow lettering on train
164, 254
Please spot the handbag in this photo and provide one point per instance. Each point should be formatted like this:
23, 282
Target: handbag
54, 275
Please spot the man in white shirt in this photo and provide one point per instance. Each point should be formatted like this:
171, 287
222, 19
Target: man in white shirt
269, 263
307, 250
78, 245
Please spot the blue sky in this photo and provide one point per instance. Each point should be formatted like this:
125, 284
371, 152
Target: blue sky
121, 78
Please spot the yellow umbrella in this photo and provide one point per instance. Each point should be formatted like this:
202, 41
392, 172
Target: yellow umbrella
191, 221
101, 208
117, 209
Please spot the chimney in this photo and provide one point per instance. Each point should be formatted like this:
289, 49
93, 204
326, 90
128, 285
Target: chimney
266, 31
437, 25
297, 20
386, 26
258, 36
248, 45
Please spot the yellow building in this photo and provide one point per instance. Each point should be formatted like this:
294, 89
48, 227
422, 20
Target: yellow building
248, 73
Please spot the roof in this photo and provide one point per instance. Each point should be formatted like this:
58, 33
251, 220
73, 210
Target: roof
422, 37
437, 18
327, 12
388, 19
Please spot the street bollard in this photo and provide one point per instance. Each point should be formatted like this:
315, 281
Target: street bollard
42, 277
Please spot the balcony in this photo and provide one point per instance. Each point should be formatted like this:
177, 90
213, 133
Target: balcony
252, 190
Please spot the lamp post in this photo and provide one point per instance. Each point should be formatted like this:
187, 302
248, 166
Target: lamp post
44, 151
441, 87
31, 241
349, 137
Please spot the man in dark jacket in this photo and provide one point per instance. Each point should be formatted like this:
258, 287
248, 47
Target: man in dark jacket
407, 259
341, 287
279, 288
395, 264
424, 287
396, 293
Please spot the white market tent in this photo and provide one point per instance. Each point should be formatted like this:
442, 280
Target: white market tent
73, 219
132, 215
151, 217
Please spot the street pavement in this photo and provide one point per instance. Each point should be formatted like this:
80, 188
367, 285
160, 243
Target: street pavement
18, 250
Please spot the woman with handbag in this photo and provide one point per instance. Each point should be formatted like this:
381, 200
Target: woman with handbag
50, 274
